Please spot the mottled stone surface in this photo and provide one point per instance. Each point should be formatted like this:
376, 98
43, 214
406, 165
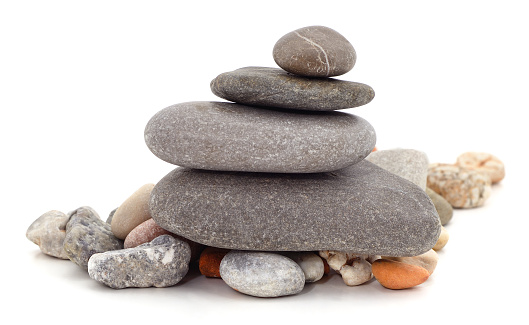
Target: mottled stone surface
233, 137
262, 274
161, 263
149, 230
461, 187
86, 235
309, 262
132, 212
361, 208
315, 51
444, 209
407, 163
48, 232
276, 88
483, 162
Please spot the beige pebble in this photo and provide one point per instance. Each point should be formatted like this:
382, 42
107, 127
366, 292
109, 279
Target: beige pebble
427, 260
483, 162
443, 239
132, 212
48, 232
355, 269
461, 187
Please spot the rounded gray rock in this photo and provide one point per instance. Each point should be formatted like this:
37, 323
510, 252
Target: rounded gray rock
48, 232
409, 164
315, 51
161, 263
361, 208
274, 87
86, 235
261, 274
444, 209
233, 137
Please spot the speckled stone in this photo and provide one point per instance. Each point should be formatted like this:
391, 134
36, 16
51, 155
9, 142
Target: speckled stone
233, 137
309, 262
361, 208
276, 88
149, 230
161, 263
315, 51
262, 274
48, 232
86, 235
444, 209
407, 163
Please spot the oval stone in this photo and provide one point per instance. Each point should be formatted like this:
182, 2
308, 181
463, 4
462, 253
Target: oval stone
233, 137
361, 208
315, 51
262, 274
276, 88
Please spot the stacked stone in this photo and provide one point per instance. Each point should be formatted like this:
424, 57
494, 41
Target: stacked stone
280, 170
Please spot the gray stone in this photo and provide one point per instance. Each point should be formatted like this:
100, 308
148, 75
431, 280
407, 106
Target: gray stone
407, 163
274, 87
361, 208
261, 274
48, 232
444, 209
111, 216
86, 235
161, 263
233, 137
315, 51
311, 264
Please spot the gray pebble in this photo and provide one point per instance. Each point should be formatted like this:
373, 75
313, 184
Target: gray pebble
444, 209
315, 51
361, 208
409, 164
311, 264
48, 232
161, 263
86, 235
233, 137
261, 274
110, 216
276, 88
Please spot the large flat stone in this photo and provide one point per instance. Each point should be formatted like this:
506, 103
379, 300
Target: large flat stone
361, 208
274, 87
233, 137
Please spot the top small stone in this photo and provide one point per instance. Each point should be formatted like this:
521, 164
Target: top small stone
315, 51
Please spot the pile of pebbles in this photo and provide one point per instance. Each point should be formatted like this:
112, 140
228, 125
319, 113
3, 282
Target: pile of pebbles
273, 190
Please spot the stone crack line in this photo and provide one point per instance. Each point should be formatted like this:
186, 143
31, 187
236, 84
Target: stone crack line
321, 49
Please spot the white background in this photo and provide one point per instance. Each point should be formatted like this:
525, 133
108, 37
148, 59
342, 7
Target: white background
79, 81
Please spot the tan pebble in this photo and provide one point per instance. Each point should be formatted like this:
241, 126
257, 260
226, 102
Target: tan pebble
427, 260
398, 275
132, 212
483, 162
443, 239
461, 187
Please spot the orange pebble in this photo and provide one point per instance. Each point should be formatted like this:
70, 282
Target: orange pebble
209, 262
374, 149
398, 275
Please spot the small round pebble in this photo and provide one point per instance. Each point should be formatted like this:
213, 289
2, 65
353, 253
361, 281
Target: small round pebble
427, 260
461, 187
48, 232
262, 274
398, 275
443, 239
132, 212
310, 263
483, 162
209, 262
444, 209
160, 263
315, 51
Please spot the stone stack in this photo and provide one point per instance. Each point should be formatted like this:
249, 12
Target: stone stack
281, 170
